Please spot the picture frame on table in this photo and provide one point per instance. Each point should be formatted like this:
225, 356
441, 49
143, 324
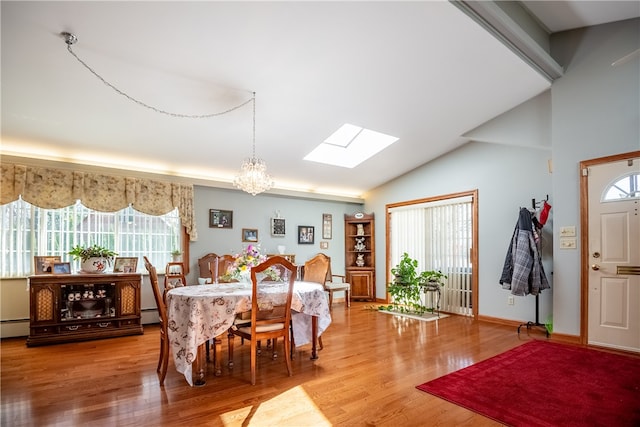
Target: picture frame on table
250, 235
219, 218
61, 268
306, 234
327, 226
125, 265
44, 264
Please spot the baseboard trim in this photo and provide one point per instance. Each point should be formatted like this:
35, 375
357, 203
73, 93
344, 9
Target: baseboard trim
562, 338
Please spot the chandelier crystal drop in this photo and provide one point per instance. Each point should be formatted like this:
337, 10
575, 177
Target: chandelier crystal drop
253, 177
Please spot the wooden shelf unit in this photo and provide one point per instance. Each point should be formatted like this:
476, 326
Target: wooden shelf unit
359, 230
79, 307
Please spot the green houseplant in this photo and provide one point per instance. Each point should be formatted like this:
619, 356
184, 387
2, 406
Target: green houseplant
408, 285
94, 258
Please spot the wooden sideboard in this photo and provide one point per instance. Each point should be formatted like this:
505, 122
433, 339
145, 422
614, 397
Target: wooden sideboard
78, 307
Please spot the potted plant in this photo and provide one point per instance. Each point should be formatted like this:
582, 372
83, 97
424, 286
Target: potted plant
176, 255
408, 285
94, 258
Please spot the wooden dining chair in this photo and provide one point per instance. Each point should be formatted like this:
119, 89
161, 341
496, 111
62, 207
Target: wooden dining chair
218, 267
163, 359
270, 310
318, 269
221, 266
337, 283
204, 266
173, 276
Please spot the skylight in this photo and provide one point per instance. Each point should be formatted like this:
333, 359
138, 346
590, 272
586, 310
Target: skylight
349, 146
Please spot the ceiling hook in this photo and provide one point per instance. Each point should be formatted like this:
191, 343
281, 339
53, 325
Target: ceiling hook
69, 38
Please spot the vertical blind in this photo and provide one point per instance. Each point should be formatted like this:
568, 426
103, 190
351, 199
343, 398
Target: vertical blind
439, 236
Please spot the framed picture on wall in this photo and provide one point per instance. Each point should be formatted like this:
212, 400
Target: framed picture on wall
327, 225
305, 235
277, 227
324, 245
250, 235
44, 264
219, 218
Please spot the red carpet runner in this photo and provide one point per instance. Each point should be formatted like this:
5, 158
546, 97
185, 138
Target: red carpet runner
547, 384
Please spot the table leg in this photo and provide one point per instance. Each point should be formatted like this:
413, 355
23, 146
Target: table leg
217, 345
200, 365
314, 337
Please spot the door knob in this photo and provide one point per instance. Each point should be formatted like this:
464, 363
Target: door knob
595, 267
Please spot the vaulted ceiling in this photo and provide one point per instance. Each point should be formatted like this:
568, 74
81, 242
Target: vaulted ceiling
425, 72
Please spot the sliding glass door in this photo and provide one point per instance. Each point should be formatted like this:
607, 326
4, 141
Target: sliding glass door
439, 234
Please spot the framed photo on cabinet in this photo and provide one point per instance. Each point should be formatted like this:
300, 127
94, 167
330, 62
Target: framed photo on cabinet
61, 268
220, 219
44, 264
125, 265
305, 235
327, 225
277, 227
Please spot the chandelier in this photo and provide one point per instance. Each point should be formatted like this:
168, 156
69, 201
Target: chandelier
253, 177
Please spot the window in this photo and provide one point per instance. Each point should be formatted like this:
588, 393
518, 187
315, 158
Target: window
625, 188
29, 231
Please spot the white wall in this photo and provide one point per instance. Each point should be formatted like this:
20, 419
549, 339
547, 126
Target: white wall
507, 178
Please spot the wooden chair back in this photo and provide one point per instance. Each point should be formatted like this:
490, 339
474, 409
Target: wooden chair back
204, 265
223, 264
316, 269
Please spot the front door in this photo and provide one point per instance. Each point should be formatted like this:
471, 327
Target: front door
614, 254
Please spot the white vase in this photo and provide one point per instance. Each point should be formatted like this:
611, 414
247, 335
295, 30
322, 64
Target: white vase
281, 249
94, 265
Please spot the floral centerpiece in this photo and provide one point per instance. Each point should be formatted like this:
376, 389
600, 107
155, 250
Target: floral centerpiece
244, 261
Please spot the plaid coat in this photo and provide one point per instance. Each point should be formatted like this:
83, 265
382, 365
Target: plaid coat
523, 272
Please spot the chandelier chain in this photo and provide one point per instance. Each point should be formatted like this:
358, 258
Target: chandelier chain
150, 107
254, 125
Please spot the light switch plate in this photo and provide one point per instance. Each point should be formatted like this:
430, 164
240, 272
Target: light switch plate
567, 243
568, 231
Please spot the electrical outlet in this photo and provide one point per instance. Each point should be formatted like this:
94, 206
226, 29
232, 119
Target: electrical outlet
510, 300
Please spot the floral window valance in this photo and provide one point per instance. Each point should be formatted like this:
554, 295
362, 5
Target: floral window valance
52, 188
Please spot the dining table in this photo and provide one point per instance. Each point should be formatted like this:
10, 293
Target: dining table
199, 313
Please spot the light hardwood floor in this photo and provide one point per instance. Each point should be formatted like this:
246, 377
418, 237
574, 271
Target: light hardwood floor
366, 375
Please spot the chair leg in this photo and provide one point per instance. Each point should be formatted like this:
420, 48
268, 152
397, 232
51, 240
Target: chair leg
287, 349
164, 350
320, 345
274, 354
330, 300
161, 355
254, 357
230, 339
207, 347
293, 342
347, 295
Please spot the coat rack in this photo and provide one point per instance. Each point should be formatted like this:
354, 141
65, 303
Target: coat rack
535, 204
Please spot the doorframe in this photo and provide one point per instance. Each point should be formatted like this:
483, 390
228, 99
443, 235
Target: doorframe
474, 240
584, 236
